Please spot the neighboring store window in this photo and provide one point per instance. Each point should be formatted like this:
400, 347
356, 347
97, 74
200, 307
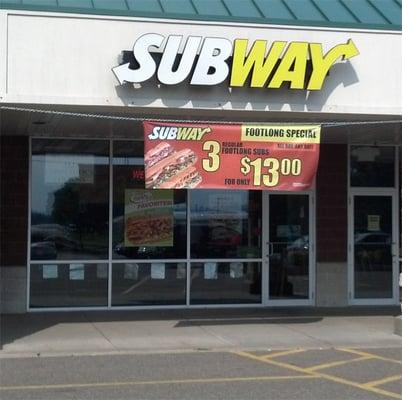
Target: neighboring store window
372, 166
147, 224
70, 199
69, 285
226, 224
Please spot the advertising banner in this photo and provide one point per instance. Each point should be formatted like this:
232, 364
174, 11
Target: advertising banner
258, 157
148, 218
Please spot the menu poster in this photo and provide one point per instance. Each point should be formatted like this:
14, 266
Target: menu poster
148, 218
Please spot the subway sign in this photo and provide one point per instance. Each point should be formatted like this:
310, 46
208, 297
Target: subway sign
210, 61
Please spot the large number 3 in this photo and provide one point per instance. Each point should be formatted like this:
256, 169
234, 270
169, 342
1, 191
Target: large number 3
211, 164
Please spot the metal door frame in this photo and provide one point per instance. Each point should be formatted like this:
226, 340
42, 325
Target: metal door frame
377, 192
393, 192
266, 301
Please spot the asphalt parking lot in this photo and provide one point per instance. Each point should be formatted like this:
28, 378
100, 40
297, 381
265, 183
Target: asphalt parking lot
294, 373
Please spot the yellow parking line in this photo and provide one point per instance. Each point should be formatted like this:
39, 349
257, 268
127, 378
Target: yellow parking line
328, 377
361, 386
157, 382
283, 353
367, 354
336, 363
384, 380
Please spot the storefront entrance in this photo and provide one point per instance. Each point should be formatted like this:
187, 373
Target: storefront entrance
289, 248
373, 225
373, 248
99, 239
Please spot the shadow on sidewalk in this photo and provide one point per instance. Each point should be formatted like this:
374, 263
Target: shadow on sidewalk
17, 326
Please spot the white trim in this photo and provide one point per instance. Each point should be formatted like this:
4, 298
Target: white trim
3, 54
188, 249
265, 248
110, 230
78, 260
148, 260
28, 289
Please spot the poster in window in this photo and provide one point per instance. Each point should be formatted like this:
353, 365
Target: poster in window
148, 218
181, 271
373, 223
50, 271
131, 271
236, 270
210, 270
158, 271
77, 272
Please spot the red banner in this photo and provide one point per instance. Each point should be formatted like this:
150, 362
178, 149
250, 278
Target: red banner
259, 157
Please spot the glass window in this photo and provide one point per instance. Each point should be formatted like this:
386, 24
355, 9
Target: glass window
68, 285
373, 246
225, 283
70, 197
372, 166
289, 246
147, 224
158, 283
225, 224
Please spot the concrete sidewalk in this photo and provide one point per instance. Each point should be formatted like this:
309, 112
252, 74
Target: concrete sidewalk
187, 330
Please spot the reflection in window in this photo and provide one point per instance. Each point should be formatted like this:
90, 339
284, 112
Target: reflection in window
155, 283
225, 224
289, 242
70, 190
68, 285
372, 166
225, 282
373, 246
147, 224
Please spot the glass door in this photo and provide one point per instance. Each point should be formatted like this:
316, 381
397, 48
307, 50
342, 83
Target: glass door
289, 249
373, 247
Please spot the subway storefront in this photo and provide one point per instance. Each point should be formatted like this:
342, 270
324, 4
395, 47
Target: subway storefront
153, 161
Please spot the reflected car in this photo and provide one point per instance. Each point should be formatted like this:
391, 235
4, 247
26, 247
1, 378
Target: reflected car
45, 250
379, 238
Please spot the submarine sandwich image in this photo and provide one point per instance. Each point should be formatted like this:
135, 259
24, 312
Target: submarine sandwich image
142, 230
158, 153
188, 178
167, 169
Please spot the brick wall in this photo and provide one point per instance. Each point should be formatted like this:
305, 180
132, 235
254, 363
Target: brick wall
14, 200
332, 204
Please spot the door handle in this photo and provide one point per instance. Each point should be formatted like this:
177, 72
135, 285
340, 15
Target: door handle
270, 249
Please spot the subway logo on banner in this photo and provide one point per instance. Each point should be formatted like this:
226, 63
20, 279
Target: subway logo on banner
211, 60
178, 133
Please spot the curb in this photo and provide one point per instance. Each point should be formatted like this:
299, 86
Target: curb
398, 325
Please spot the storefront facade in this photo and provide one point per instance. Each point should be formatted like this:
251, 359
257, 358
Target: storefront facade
70, 171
